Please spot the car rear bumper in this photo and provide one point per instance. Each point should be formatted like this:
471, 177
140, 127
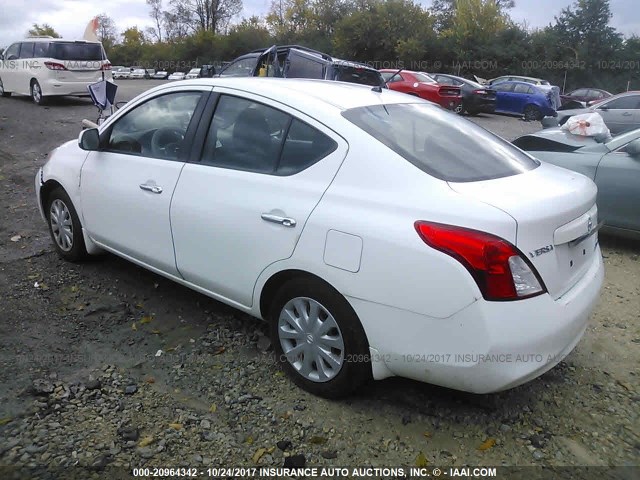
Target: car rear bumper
53, 86
487, 346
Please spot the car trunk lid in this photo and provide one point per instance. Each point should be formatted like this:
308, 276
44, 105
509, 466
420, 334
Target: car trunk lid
556, 218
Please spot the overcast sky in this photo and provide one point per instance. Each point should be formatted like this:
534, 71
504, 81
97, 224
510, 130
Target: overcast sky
70, 17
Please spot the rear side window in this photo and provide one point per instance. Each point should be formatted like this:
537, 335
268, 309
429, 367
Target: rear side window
76, 51
522, 88
41, 50
26, 50
303, 147
441, 143
361, 75
503, 87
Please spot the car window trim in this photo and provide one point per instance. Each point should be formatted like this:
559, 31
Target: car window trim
194, 123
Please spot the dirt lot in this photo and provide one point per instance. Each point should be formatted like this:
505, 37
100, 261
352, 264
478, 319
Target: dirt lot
81, 382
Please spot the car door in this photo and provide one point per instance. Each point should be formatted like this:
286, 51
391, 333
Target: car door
242, 203
620, 114
126, 187
618, 181
504, 94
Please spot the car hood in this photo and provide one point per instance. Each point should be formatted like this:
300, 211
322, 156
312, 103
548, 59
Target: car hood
574, 111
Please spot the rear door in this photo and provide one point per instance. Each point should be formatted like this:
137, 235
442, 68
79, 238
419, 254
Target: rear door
83, 61
621, 114
618, 180
242, 203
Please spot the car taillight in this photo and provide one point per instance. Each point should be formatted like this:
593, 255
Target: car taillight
498, 267
480, 92
106, 66
54, 66
449, 92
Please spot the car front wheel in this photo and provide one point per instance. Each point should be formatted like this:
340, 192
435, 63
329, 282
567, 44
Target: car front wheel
64, 226
318, 339
2, 92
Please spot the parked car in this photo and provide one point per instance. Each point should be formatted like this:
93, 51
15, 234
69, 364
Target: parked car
207, 71
422, 85
523, 99
120, 72
613, 165
476, 98
42, 67
586, 96
295, 61
621, 113
177, 76
138, 73
193, 73
346, 187
160, 75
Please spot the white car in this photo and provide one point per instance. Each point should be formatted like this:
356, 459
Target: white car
120, 72
193, 73
138, 73
42, 67
177, 76
378, 234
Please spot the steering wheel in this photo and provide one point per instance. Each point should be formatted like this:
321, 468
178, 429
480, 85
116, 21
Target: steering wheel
166, 142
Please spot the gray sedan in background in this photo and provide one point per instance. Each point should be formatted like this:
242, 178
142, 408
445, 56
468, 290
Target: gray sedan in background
614, 165
621, 113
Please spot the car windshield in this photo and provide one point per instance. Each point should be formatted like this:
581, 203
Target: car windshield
424, 78
76, 51
441, 143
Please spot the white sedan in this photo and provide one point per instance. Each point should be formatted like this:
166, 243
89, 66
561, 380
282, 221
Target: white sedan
193, 73
377, 233
177, 76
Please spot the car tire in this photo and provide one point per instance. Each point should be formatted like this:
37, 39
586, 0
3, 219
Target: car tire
36, 93
64, 226
345, 365
2, 92
531, 112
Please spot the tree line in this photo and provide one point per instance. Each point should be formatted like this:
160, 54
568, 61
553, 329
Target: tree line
466, 37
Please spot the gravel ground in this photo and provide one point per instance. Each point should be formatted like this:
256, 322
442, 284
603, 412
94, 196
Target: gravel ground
105, 364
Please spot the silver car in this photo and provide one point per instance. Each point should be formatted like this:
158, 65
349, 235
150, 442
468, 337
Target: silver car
614, 165
621, 113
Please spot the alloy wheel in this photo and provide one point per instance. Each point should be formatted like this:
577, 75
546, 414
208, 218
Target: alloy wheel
61, 225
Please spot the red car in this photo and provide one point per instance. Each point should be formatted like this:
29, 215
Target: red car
422, 85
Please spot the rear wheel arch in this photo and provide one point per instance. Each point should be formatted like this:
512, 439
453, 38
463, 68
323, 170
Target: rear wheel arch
275, 282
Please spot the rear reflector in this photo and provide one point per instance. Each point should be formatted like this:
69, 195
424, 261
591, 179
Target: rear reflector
499, 269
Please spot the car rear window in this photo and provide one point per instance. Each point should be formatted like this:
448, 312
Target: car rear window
355, 74
76, 51
441, 143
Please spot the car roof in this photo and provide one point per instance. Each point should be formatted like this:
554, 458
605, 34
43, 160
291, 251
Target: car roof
295, 92
54, 40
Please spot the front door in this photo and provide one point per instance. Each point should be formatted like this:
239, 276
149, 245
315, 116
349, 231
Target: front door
243, 205
126, 187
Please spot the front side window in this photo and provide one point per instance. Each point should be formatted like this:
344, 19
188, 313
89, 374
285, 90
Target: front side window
441, 143
240, 68
156, 128
12, 52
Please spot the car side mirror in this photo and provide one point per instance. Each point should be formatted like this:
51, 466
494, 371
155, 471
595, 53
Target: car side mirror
633, 148
89, 140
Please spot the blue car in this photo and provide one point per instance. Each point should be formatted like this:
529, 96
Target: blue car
524, 99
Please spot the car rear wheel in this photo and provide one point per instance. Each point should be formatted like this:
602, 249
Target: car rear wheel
531, 112
36, 93
318, 339
2, 92
64, 226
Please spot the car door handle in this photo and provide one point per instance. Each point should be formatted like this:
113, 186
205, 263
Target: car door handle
151, 188
287, 222
626, 114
